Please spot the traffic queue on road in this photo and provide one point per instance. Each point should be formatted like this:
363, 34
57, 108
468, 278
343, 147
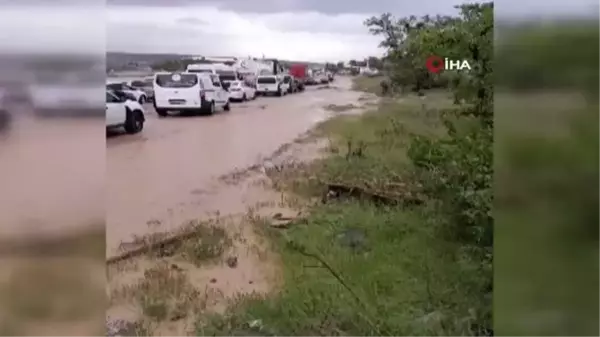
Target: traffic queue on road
203, 88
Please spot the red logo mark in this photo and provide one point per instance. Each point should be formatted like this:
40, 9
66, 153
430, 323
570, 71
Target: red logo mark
435, 64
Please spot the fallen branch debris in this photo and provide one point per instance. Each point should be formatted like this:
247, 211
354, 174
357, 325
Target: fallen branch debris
282, 222
162, 245
336, 191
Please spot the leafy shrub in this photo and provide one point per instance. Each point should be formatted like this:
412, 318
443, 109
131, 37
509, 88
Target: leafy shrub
456, 170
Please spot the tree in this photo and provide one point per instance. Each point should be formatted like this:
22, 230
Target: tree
385, 25
375, 62
455, 170
330, 67
340, 65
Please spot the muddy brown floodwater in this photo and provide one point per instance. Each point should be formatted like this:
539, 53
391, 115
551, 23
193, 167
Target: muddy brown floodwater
212, 177
167, 175
52, 175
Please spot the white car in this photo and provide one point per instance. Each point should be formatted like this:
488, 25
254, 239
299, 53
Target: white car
124, 113
241, 91
196, 92
322, 78
68, 94
145, 85
139, 94
60, 87
209, 68
271, 84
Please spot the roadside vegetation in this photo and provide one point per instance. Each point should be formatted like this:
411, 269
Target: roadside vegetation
368, 84
546, 182
399, 241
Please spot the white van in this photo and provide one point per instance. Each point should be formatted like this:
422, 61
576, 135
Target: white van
208, 68
226, 73
195, 92
271, 84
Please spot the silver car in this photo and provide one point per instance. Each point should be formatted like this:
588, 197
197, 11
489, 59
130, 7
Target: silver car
145, 85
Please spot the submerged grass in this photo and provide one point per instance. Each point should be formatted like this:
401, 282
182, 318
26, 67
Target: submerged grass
356, 268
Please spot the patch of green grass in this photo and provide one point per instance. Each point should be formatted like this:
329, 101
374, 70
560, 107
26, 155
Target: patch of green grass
356, 268
208, 246
340, 108
370, 150
164, 293
402, 282
367, 84
546, 205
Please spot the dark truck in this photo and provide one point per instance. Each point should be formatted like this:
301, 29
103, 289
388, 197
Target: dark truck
300, 73
5, 116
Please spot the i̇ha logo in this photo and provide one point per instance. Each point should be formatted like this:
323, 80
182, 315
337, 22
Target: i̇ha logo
436, 64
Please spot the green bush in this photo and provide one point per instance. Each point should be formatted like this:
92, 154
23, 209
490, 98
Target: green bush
455, 171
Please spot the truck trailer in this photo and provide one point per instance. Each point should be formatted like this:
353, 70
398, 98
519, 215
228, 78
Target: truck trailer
301, 74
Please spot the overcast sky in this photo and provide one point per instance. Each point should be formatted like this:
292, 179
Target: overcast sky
312, 30
208, 30
292, 29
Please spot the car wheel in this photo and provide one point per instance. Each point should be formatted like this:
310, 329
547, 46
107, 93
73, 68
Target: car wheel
142, 99
5, 121
134, 122
211, 108
162, 112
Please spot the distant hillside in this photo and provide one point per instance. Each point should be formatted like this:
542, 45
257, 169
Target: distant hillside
128, 61
132, 61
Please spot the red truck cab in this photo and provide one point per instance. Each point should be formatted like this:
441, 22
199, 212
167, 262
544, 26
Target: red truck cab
300, 73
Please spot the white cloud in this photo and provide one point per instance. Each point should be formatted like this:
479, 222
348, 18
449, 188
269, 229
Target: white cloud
73, 29
298, 35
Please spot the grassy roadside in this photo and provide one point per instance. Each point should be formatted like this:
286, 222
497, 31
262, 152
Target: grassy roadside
357, 267
368, 84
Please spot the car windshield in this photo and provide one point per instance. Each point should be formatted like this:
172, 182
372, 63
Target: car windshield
139, 84
200, 71
267, 80
176, 80
114, 86
227, 75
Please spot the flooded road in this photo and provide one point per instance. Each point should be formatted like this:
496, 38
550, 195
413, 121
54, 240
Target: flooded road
167, 174
52, 176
